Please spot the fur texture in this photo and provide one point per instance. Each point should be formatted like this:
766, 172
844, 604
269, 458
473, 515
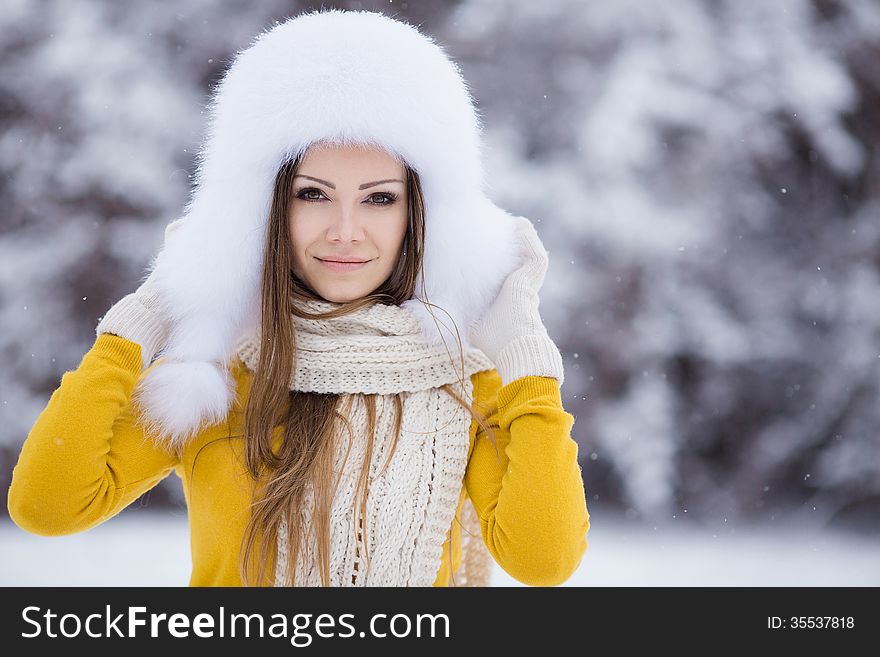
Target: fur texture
345, 77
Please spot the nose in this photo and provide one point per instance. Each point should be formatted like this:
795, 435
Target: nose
345, 227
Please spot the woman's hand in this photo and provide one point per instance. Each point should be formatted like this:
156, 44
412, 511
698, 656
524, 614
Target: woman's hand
511, 332
139, 317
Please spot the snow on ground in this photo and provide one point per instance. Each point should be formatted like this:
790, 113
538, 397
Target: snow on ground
152, 549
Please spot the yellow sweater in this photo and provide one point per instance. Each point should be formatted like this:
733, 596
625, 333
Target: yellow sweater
85, 460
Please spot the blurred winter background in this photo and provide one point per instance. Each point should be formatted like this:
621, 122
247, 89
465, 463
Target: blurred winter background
704, 173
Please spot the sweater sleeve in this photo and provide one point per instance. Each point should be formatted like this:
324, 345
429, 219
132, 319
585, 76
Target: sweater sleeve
85, 459
529, 494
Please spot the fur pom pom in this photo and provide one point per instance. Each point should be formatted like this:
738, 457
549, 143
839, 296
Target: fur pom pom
177, 400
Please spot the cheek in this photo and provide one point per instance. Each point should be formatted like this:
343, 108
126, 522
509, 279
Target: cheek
393, 239
296, 245
299, 238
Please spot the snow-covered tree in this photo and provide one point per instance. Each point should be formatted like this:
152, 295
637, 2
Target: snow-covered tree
705, 175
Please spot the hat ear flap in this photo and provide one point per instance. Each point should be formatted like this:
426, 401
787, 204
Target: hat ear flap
182, 399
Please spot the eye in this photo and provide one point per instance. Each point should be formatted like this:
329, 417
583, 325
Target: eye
379, 198
389, 197
303, 194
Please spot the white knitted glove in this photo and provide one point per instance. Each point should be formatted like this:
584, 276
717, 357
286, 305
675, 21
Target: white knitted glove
511, 332
138, 317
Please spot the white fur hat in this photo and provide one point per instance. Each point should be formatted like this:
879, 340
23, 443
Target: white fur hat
327, 75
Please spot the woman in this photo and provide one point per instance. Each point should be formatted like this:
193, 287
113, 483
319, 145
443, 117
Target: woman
288, 357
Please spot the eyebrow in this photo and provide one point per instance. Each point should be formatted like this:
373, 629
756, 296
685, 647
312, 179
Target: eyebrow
364, 186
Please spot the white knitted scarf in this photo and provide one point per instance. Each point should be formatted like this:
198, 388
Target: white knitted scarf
410, 506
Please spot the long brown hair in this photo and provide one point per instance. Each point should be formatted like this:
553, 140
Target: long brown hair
309, 420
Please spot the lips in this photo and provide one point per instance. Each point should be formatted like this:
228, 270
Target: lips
341, 264
342, 259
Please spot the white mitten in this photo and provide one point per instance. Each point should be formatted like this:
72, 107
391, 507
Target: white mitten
138, 317
511, 332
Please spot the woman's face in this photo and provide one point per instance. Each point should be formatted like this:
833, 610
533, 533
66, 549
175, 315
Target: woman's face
349, 203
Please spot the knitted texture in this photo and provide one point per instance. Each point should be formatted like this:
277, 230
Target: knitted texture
511, 332
476, 562
138, 317
411, 505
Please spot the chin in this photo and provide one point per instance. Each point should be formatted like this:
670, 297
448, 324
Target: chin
335, 294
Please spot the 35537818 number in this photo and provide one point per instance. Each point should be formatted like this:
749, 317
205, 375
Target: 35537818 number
810, 622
